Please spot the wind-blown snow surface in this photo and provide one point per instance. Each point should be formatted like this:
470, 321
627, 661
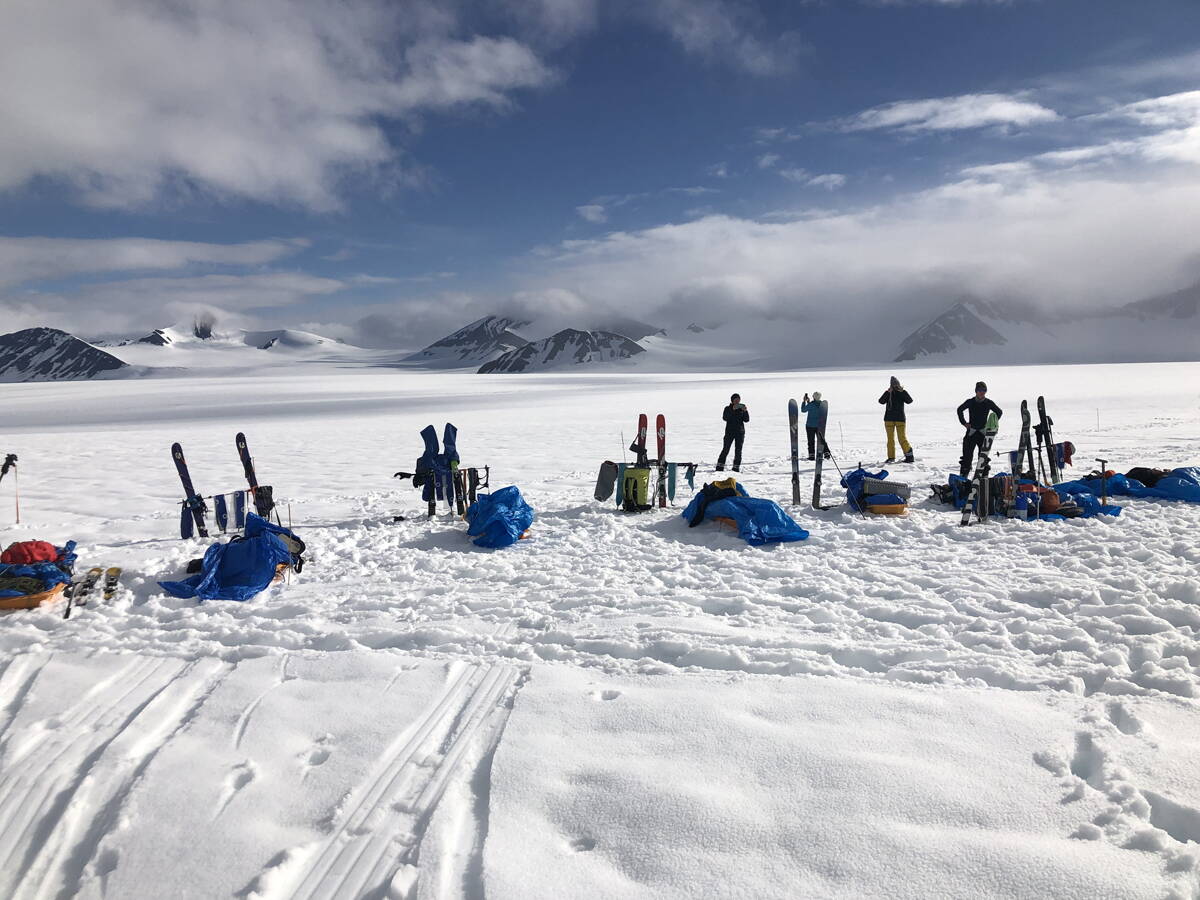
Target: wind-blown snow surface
619, 706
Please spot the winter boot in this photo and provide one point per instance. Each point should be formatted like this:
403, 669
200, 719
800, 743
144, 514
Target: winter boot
908, 457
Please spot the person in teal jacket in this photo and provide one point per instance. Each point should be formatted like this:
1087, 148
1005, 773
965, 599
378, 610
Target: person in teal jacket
818, 415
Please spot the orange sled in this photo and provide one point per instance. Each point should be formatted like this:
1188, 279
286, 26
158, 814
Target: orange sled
32, 601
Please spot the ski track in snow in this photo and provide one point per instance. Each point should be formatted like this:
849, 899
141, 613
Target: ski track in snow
1105, 612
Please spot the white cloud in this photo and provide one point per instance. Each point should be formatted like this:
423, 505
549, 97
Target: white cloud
830, 181
722, 31
28, 259
592, 212
950, 114
768, 160
719, 170
1081, 227
800, 176
271, 100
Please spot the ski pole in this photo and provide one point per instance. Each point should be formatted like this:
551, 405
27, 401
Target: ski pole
861, 512
1103, 480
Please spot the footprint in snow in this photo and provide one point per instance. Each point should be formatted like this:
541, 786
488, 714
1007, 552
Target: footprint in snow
583, 844
605, 695
317, 755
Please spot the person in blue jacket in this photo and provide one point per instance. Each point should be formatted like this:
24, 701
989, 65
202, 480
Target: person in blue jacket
818, 415
736, 416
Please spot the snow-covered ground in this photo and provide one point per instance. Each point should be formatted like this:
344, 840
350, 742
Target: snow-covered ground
619, 706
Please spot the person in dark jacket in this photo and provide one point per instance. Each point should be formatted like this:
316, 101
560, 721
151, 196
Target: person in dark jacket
818, 416
894, 420
977, 409
736, 416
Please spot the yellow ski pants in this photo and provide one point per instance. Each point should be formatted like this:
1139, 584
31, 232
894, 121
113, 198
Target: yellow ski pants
896, 430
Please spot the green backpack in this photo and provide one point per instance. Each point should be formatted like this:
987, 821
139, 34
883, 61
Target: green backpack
635, 489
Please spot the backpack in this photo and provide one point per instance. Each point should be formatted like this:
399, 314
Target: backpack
26, 553
635, 489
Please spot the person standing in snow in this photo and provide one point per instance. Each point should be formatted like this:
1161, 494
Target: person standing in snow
736, 416
818, 415
894, 420
977, 409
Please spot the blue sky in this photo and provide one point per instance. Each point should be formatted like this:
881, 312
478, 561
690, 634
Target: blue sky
385, 172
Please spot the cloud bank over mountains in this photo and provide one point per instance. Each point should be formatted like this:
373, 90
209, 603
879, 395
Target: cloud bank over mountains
1045, 191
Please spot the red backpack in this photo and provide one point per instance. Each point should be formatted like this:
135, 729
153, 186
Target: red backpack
26, 553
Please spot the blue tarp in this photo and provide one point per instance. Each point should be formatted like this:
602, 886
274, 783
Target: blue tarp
239, 569
48, 573
759, 521
1181, 484
500, 518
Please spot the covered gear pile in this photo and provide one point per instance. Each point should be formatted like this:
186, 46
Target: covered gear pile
244, 566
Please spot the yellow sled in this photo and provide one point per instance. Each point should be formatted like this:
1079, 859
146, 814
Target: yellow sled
32, 601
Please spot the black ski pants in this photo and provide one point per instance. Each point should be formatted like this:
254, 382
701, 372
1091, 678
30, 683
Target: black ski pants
732, 439
972, 443
813, 431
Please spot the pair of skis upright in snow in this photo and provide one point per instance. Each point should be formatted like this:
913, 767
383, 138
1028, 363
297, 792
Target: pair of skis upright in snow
821, 451
1024, 461
639, 450
192, 520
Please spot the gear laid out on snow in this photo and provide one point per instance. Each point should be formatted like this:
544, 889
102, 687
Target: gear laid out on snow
243, 566
875, 494
499, 519
195, 506
759, 521
637, 494
33, 573
440, 476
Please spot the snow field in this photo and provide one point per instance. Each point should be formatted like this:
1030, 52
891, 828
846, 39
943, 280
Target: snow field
1010, 708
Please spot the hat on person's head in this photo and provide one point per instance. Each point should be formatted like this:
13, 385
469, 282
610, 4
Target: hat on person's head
816, 395
980, 386
735, 397
895, 381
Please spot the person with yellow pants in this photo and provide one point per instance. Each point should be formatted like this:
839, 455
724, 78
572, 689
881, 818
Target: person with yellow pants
894, 420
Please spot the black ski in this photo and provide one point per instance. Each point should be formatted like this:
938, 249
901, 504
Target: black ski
264, 502
193, 504
1025, 464
1046, 427
978, 492
77, 591
820, 454
794, 427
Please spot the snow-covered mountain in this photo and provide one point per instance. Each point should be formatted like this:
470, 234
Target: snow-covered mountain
483, 340
568, 347
279, 338
47, 354
976, 331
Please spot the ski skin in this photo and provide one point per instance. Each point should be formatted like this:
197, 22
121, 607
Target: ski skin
112, 578
193, 501
794, 428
